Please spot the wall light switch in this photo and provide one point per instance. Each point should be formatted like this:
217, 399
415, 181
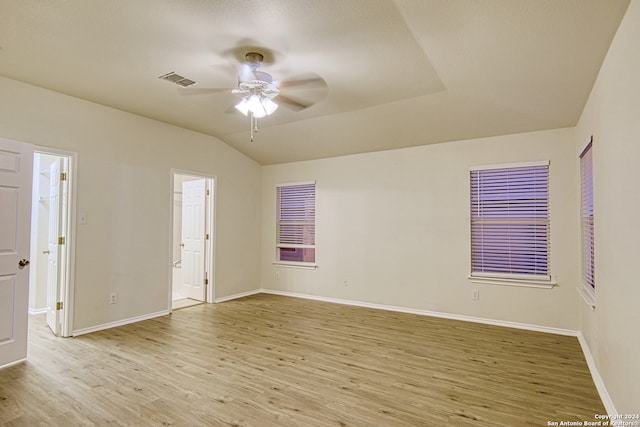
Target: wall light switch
82, 218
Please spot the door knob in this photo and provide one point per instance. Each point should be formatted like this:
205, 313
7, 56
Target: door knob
23, 263
46, 252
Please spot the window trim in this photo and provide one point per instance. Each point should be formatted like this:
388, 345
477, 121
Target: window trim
278, 245
514, 281
547, 281
293, 264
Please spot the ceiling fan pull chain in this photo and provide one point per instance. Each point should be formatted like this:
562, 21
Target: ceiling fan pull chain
251, 125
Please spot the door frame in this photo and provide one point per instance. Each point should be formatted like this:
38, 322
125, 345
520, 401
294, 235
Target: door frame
210, 228
69, 249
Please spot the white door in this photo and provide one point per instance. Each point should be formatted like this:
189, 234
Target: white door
16, 161
193, 239
53, 272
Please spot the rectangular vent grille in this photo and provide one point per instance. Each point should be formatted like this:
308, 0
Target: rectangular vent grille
185, 82
177, 79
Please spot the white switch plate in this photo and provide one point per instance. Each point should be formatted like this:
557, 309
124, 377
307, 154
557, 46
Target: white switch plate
82, 218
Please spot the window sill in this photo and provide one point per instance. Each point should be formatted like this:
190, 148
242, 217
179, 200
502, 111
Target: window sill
302, 265
587, 296
539, 284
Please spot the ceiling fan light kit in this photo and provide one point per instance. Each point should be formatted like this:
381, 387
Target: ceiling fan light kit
257, 101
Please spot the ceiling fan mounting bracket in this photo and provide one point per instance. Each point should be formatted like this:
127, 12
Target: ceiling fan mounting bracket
254, 57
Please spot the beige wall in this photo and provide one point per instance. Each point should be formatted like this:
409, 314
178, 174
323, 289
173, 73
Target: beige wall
612, 116
395, 226
124, 164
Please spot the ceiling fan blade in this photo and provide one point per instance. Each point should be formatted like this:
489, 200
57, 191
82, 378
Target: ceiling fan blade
231, 109
246, 73
291, 103
203, 90
308, 83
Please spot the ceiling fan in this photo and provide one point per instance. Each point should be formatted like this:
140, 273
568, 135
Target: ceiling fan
260, 95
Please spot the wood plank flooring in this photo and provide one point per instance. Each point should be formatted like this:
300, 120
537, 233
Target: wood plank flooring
268, 360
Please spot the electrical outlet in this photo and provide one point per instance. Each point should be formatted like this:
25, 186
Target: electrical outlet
345, 283
475, 294
277, 275
113, 298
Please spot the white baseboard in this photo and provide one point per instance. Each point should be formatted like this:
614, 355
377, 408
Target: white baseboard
110, 325
33, 311
597, 379
236, 296
525, 326
503, 323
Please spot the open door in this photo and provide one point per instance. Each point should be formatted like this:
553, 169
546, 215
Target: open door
193, 239
57, 214
16, 161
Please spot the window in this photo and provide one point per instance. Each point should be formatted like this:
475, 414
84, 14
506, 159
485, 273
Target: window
586, 214
510, 222
296, 223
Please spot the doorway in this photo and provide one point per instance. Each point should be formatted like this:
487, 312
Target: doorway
192, 239
51, 238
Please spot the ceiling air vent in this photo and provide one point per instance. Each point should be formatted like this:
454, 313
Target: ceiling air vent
177, 79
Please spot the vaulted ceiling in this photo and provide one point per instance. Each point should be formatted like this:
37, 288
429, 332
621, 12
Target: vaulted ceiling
398, 73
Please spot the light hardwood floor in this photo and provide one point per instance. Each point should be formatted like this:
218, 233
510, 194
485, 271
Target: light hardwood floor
269, 360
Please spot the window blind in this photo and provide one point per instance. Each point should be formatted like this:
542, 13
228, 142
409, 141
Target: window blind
586, 213
295, 229
510, 221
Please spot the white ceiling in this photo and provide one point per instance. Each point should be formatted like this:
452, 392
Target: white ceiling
399, 73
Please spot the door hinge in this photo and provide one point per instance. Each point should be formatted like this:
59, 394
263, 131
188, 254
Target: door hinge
59, 305
61, 240
207, 192
206, 236
63, 176
206, 281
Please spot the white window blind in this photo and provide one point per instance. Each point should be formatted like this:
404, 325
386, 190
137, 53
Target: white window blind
586, 213
510, 221
296, 217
